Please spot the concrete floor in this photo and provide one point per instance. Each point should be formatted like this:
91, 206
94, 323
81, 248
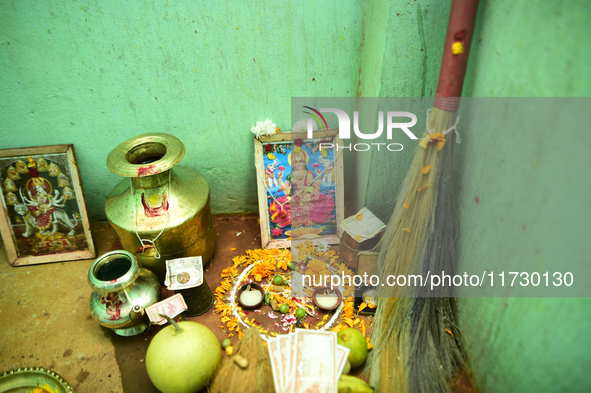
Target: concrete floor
45, 319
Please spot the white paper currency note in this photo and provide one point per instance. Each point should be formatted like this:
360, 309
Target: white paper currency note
313, 365
183, 273
171, 307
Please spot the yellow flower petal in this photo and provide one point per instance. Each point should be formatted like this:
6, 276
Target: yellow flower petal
405, 205
426, 169
425, 141
423, 188
362, 306
440, 145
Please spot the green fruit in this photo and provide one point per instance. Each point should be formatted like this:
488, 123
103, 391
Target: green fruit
350, 384
300, 313
291, 266
277, 280
356, 343
284, 308
183, 357
226, 343
347, 368
267, 299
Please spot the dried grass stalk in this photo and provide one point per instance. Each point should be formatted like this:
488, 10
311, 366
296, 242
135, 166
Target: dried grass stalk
403, 336
256, 377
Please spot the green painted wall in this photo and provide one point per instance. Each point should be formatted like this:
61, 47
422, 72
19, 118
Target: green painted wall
97, 73
531, 183
531, 177
407, 61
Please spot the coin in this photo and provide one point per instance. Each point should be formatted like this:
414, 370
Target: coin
183, 278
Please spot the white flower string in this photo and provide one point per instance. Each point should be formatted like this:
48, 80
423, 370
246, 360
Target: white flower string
152, 241
454, 127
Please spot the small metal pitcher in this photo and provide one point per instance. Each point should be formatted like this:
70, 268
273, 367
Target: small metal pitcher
122, 289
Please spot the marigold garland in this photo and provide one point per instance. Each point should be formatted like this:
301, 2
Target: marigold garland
266, 263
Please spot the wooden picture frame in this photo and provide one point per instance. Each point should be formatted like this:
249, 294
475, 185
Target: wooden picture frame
43, 216
304, 201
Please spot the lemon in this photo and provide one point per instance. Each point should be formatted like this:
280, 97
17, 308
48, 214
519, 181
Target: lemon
226, 343
300, 313
356, 343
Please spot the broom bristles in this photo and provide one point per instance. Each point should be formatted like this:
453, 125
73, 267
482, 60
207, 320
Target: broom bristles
436, 353
403, 323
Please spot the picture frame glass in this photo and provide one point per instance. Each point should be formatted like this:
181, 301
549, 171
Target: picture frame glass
42, 205
300, 180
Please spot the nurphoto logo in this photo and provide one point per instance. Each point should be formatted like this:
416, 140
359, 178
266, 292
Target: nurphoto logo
393, 122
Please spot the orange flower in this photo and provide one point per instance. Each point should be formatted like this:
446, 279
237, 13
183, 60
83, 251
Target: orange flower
432, 139
361, 307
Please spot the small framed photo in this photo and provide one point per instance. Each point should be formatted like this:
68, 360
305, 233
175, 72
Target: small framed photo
43, 217
300, 187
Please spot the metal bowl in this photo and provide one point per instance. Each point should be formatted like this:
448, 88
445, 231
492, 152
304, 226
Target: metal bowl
327, 291
253, 286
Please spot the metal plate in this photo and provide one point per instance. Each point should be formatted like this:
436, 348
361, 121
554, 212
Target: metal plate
25, 380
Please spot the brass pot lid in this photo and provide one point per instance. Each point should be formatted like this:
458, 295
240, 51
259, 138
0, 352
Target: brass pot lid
26, 379
146, 155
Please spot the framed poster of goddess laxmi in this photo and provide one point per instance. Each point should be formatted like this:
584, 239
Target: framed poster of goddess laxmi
300, 187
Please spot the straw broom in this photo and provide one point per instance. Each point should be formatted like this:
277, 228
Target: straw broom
417, 344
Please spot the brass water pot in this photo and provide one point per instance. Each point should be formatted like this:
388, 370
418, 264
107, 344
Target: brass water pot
159, 213
122, 289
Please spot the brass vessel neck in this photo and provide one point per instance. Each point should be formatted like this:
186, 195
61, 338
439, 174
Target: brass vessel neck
153, 181
145, 156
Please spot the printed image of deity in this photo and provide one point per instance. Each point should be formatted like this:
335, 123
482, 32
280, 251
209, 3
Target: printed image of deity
9, 185
12, 173
21, 167
300, 185
11, 199
42, 165
42, 210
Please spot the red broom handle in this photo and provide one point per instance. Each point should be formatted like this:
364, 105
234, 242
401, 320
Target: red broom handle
455, 54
